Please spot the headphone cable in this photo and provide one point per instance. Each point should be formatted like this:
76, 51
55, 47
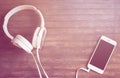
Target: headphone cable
37, 65
38, 57
87, 70
41, 63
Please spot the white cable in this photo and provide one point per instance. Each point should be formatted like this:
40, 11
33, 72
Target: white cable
87, 70
37, 65
41, 64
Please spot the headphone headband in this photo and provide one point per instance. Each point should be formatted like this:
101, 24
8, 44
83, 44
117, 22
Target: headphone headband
17, 9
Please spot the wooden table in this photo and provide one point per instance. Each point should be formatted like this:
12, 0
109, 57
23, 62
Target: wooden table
73, 29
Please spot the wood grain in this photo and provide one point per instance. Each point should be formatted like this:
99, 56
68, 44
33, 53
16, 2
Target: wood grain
73, 29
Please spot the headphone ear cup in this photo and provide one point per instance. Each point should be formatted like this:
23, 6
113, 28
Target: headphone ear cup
23, 43
41, 37
35, 35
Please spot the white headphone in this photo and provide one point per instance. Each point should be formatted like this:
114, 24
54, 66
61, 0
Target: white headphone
19, 40
38, 37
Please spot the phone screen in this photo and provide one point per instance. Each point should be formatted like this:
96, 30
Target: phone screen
102, 54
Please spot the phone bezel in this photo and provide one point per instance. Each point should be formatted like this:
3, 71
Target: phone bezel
94, 68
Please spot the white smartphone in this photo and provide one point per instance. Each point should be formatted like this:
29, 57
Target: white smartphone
102, 54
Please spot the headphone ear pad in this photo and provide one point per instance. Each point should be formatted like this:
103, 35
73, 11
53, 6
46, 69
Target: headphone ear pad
35, 35
23, 43
39, 37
